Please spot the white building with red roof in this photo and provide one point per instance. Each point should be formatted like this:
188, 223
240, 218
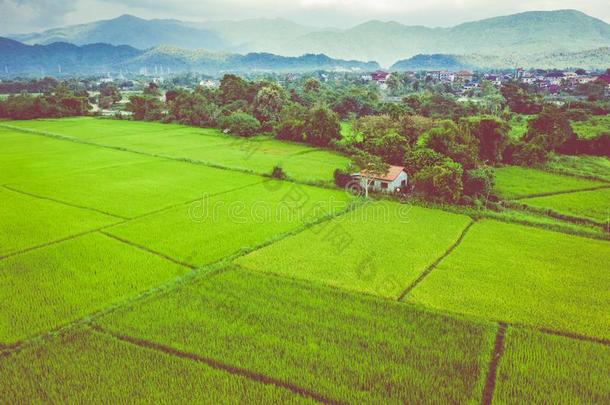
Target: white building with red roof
395, 178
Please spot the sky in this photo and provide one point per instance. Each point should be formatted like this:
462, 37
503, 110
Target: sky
23, 16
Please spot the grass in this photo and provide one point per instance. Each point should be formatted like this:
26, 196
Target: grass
594, 167
518, 125
215, 227
524, 275
92, 368
518, 182
354, 349
593, 127
259, 154
46, 288
540, 368
593, 205
26, 222
130, 190
378, 249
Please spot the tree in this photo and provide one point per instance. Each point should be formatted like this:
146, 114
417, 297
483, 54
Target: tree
519, 100
478, 182
312, 85
145, 107
448, 139
441, 182
233, 88
370, 167
240, 123
268, 103
492, 136
551, 129
109, 95
321, 126
381, 138
152, 90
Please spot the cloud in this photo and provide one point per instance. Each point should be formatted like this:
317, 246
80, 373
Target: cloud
17, 14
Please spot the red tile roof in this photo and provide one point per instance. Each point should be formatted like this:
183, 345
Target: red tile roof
391, 175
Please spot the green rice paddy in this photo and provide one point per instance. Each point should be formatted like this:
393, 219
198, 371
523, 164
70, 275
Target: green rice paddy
144, 262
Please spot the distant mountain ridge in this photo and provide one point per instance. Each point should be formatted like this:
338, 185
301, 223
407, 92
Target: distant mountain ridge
386, 42
61, 58
592, 59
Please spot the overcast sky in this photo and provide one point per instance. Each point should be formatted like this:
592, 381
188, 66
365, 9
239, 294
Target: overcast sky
19, 16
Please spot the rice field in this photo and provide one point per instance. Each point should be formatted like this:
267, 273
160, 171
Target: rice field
47, 288
593, 127
259, 154
144, 262
379, 249
87, 367
519, 182
595, 167
540, 368
353, 350
592, 205
523, 275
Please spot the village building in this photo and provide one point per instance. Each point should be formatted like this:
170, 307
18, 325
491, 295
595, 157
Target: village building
465, 76
395, 179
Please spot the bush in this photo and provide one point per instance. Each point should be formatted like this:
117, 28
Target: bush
291, 130
478, 182
240, 123
342, 177
278, 173
529, 153
441, 182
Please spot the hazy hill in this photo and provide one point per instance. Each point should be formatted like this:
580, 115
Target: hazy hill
61, 58
386, 42
591, 59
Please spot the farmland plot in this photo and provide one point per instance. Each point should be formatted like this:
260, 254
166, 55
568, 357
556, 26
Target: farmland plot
25, 157
593, 205
46, 288
219, 226
541, 368
524, 275
342, 346
132, 190
26, 221
379, 249
259, 154
95, 368
517, 182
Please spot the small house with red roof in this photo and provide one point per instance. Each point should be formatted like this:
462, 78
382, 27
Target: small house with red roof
395, 178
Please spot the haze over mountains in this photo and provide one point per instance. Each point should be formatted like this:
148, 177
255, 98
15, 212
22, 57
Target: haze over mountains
61, 58
533, 39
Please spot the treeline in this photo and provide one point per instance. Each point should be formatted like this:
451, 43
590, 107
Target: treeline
58, 101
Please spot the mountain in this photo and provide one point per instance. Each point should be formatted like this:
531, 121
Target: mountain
386, 42
133, 31
591, 59
61, 58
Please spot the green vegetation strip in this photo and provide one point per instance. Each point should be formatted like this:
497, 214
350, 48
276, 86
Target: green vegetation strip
90, 367
541, 368
376, 249
355, 349
525, 276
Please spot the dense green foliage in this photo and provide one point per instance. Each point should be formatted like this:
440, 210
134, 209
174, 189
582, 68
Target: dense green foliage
355, 349
507, 272
58, 101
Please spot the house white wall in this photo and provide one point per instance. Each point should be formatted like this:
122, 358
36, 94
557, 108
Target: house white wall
376, 184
